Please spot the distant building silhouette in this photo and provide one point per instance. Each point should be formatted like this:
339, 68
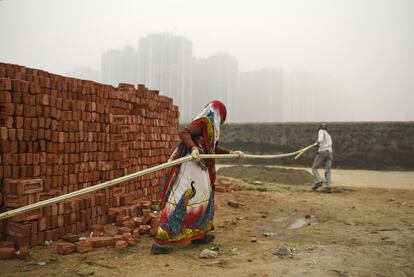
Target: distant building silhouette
119, 66
165, 64
215, 78
85, 73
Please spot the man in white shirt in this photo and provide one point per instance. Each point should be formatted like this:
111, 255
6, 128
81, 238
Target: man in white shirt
324, 157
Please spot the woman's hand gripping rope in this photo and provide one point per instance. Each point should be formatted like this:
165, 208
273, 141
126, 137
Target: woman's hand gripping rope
239, 153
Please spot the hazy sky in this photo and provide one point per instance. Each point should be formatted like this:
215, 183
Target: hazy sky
366, 46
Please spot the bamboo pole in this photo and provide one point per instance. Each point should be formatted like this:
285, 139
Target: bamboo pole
116, 181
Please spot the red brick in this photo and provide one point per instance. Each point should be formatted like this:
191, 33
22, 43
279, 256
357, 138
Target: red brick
95, 234
65, 248
54, 208
35, 227
42, 99
19, 230
5, 84
48, 235
55, 233
7, 109
23, 252
12, 134
132, 240
25, 186
129, 224
5, 97
136, 232
47, 211
34, 240
7, 244
69, 237
43, 196
146, 205
96, 228
121, 219
41, 238
16, 85
64, 208
121, 245
17, 97
4, 133
233, 203
147, 218
73, 228
42, 224
127, 198
83, 246
144, 229
124, 230
24, 86
34, 87
118, 237
6, 253
220, 189
98, 242
8, 185
7, 121
146, 212
19, 242
19, 110
31, 215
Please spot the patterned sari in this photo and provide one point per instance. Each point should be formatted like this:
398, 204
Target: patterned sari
188, 192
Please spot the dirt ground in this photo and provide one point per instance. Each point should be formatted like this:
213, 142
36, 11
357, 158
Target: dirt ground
257, 174
364, 228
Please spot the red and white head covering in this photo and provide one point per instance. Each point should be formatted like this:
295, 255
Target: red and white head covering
218, 112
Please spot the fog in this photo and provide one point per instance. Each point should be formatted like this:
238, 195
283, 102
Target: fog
336, 60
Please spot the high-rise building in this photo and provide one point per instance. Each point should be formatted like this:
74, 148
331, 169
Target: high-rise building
119, 66
259, 96
215, 78
165, 64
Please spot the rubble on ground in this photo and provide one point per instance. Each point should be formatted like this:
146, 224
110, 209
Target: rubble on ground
208, 254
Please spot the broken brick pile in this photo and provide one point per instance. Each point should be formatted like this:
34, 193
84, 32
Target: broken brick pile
60, 134
140, 221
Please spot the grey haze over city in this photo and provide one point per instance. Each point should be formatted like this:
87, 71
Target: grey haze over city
308, 60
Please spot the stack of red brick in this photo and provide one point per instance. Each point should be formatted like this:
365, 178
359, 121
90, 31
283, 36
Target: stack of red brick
59, 135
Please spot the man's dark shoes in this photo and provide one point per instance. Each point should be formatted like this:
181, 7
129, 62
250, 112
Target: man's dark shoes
157, 250
328, 190
204, 240
317, 185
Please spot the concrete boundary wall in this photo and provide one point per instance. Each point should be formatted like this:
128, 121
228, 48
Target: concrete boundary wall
364, 145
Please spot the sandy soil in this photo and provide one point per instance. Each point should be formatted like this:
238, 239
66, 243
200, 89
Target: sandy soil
364, 228
257, 174
361, 178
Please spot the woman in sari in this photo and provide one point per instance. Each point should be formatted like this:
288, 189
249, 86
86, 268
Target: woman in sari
188, 189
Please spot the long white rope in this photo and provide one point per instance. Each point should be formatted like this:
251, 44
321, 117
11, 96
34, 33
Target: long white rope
116, 181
